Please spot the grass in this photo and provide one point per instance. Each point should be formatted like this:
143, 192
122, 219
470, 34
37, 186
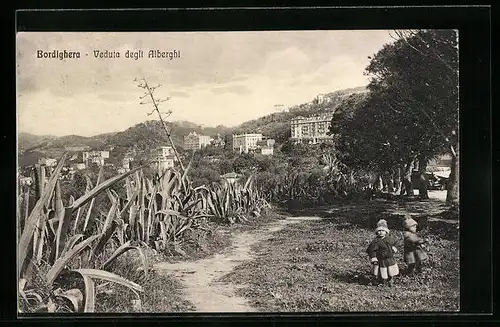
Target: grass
199, 244
321, 265
162, 292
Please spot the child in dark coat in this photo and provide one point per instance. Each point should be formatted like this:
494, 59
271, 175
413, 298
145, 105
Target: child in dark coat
381, 252
414, 254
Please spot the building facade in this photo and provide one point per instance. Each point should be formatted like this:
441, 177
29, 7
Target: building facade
218, 141
49, 162
246, 142
310, 130
96, 157
266, 147
164, 158
126, 163
164, 164
163, 151
194, 141
267, 150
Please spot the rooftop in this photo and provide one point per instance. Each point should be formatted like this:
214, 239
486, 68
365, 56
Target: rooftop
231, 175
248, 134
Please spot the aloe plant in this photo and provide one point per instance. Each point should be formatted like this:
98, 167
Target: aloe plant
79, 236
46, 236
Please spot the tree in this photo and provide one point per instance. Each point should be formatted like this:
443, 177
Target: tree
419, 74
411, 114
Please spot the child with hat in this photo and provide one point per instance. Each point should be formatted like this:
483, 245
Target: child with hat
381, 252
414, 254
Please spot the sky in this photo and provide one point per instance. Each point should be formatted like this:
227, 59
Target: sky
221, 78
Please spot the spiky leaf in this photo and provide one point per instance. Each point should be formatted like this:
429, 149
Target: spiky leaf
37, 212
100, 188
105, 275
123, 249
60, 263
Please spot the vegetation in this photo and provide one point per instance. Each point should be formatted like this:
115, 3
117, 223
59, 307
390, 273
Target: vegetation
66, 249
55, 243
86, 244
321, 265
411, 113
70, 247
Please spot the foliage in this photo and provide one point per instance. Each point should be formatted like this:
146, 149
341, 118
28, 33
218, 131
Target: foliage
234, 202
72, 244
50, 239
412, 108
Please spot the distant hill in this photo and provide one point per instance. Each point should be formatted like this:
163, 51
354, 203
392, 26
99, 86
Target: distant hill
76, 140
150, 134
28, 141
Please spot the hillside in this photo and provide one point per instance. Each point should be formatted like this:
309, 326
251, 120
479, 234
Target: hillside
150, 134
27, 141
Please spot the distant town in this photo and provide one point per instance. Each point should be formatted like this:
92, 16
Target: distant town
307, 130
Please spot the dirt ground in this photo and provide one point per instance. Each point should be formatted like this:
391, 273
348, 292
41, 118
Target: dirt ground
314, 260
200, 276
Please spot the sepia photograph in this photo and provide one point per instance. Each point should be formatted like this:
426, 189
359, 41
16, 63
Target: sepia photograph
238, 171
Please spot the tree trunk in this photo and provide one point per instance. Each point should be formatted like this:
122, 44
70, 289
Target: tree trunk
407, 188
379, 185
397, 180
452, 195
390, 183
423, 181
385, 181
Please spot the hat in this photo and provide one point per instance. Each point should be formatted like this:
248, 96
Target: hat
382, 225
408, 222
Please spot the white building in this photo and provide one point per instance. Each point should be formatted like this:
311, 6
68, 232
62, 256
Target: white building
164, 158
267, 150
310, 130
266, 147
194, 141
165, 151
49, 162
246, 142
77, 166
97, 157
129, 156
126, 163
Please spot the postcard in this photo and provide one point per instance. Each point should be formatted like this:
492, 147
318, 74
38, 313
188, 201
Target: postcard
238, 171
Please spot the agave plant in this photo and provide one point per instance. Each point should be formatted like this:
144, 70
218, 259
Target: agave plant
233, 202
159, 211
46, 239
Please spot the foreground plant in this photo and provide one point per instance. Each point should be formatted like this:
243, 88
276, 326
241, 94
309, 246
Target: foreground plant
47, 241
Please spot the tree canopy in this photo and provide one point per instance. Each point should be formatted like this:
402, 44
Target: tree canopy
411, 112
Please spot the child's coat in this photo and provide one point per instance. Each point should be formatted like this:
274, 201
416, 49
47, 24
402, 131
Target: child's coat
413, 253
381, 250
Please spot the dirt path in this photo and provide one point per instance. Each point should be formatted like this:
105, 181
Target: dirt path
199, 276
